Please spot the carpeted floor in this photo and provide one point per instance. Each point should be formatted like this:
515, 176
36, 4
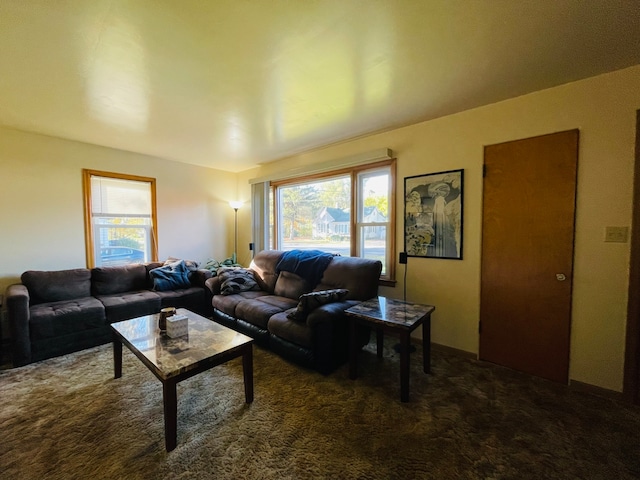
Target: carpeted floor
67, 418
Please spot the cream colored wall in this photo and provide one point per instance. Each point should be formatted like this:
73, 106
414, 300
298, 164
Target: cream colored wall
41, 196
603, 108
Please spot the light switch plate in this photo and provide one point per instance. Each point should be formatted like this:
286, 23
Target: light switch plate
616, 234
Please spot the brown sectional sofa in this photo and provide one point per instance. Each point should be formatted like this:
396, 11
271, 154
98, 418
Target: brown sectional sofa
56, 312
320, 341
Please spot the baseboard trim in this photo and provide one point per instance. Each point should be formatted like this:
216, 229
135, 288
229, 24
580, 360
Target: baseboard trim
594, 390
573, 384
453, 351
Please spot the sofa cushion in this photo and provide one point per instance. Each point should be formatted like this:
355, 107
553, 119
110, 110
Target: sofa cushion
55, 319
112, 280
228, 303
310, 301
283, 303
58, 285
236, 280
264, 264
290, 330
256, 311
183, 297
358, 275
290, 285
123, 306
330, 312
170, 276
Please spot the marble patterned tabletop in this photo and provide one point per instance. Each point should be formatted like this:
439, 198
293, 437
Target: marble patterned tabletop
173, 356
388, 310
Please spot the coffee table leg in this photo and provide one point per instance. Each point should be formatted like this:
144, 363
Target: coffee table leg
404, 367
426, 345
170, 399
353, 353
117, 358
247, 368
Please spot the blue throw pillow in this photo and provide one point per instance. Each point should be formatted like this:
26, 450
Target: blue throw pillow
170, 277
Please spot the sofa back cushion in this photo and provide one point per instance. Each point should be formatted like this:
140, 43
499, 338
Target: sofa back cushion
58, 285
125, 278
290, 285
264, 264
358, 275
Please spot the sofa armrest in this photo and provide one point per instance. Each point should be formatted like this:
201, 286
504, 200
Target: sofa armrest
200, 276
329, 312
213, 284
17, 305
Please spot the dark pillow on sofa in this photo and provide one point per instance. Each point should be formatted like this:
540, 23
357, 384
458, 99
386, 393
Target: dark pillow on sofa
310, 301
170, 277
236, 280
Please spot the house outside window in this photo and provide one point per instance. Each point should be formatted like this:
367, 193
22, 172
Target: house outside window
315, 213
120, 219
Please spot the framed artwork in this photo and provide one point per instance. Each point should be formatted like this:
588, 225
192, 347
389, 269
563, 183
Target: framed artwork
433, 215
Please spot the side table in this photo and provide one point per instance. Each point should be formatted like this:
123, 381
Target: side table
398, 318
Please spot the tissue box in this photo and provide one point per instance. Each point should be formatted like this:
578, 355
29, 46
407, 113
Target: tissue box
177, 325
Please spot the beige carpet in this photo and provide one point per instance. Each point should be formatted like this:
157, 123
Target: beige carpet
67, 418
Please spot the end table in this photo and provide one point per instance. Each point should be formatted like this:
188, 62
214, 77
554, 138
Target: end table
394, 317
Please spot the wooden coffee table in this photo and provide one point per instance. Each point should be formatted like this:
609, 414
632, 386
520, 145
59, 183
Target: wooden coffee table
172, 360
398, 318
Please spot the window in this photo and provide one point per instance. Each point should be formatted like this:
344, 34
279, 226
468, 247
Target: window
120, 219
373, 223
315, 213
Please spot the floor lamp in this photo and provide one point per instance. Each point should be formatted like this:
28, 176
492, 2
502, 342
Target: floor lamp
235, 206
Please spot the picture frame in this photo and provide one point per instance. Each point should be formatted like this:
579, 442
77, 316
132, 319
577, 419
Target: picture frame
433, 215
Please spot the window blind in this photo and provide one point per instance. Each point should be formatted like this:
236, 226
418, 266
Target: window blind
113, 197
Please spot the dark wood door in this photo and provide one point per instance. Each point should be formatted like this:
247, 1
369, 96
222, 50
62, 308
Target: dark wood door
527, 254
631, 389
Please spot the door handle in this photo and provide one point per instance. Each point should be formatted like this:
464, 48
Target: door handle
561, 277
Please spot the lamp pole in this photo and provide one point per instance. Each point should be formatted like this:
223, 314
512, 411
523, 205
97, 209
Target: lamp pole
235, 243
235, 206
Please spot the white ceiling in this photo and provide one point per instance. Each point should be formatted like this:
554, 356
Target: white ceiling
230, 84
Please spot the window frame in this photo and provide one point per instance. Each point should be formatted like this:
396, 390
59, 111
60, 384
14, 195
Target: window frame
88, 211
355, 222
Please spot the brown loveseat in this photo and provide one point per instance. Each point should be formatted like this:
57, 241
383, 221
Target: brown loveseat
318, 338
56, 312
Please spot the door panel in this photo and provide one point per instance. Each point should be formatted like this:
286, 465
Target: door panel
527, 254
631, 389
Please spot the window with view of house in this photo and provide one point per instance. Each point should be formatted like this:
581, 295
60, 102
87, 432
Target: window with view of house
120, 219
317, 212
